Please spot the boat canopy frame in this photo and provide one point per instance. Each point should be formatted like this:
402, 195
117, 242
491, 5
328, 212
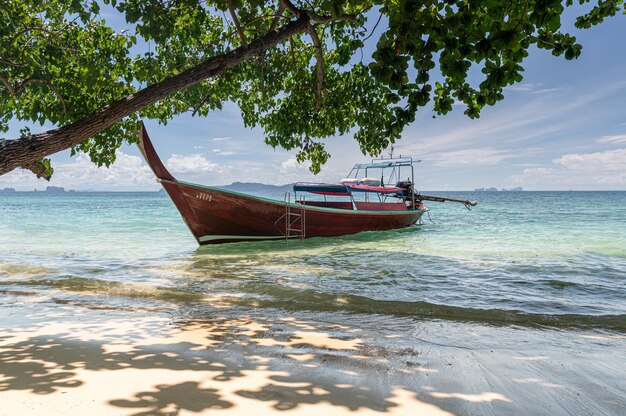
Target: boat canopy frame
395, 164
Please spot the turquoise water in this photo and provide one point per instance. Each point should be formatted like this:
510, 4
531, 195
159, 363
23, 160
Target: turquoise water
553, 259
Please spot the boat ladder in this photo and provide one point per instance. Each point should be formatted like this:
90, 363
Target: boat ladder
294, 217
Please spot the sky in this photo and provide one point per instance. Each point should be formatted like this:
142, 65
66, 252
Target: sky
562, 128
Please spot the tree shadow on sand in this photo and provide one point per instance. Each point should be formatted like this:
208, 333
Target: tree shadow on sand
170, 399
286, 364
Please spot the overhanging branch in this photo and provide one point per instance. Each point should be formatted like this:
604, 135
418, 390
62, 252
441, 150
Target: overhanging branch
22, 152
39, 168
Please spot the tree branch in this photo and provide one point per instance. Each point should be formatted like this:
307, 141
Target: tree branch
22, 86
56, 92
39, 168
279, 14
242, 36
40, 29
290, 7
319, 19
319, 72
7, 84
4, 61
23, 151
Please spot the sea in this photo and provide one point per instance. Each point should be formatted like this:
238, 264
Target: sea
548, 260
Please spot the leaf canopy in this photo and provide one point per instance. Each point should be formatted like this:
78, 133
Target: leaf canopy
61, 61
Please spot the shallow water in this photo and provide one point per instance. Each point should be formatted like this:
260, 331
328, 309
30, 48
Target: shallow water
555, 259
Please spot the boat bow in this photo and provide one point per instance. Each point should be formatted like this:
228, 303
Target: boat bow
169, 183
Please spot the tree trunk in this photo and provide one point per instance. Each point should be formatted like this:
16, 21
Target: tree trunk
25, 151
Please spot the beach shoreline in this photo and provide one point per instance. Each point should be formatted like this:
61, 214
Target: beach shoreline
63, 358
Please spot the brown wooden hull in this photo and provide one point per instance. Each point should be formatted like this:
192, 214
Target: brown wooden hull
218, 216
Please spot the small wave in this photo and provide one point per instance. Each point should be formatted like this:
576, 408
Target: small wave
105, 287
293, 299
21, 270
278, 297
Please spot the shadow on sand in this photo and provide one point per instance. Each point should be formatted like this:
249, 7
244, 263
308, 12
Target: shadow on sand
225, 364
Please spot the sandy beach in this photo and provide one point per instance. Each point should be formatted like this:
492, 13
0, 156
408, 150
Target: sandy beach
60, 358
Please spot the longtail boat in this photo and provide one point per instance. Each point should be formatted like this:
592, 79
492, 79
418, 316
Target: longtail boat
216, 215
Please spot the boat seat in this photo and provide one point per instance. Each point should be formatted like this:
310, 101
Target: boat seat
370, 182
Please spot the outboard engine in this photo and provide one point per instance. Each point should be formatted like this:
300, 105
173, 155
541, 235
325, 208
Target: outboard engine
407, 186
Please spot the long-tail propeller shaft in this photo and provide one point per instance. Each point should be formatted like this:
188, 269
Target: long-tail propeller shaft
467, 202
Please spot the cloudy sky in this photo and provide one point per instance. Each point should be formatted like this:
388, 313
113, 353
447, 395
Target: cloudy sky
563, 127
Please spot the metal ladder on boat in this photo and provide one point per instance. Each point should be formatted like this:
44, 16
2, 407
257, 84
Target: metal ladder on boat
294, 217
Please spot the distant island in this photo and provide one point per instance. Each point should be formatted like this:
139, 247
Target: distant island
518, 189
54, 190
48, 190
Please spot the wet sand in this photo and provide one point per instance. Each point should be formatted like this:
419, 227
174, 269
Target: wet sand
63, 358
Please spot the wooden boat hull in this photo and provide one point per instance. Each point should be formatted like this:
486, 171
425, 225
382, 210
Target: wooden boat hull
215, 215
218, 216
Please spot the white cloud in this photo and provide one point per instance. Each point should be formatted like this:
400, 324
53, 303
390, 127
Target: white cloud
538, 119
220, 139
224, 152
127, 173
607, 161
195, 163
292, 165
290, 171
598, 170
531, 87
620, 138
523, 87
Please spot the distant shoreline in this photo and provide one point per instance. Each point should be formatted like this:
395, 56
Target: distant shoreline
73, 192
246, 187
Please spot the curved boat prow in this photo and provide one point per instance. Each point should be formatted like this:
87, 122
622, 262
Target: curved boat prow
147, 149
169, 183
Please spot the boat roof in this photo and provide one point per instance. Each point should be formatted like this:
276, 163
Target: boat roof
343, 189
374, 165
321, 188
386, 163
